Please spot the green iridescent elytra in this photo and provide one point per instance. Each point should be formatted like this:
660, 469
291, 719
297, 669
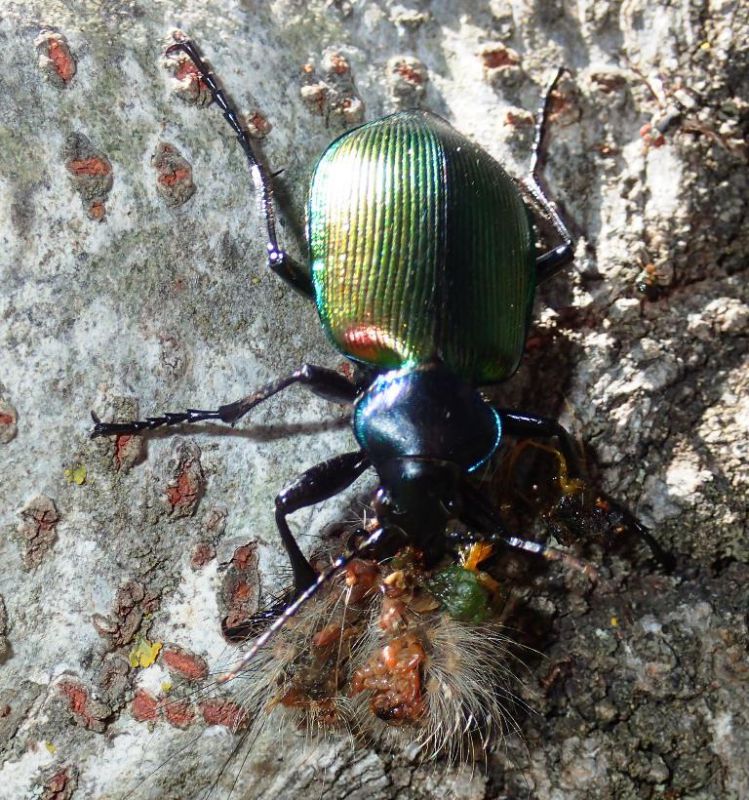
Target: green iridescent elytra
420, 247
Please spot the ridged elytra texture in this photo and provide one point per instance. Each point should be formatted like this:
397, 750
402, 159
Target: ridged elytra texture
420, 247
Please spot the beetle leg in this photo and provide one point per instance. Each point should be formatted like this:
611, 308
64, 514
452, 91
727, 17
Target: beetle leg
324, 382
554, 260
530, 426
278, 259
313, 486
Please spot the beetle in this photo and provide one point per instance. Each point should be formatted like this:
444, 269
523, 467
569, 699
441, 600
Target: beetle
423, 269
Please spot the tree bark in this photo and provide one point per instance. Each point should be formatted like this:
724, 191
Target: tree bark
133, 281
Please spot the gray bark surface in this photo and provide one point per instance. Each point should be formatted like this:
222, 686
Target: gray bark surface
132, 281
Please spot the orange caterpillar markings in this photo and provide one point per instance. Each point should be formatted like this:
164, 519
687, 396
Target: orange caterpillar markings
394, 676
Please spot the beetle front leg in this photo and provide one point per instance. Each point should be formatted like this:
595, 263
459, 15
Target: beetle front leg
278, 259
315, 485
324, 382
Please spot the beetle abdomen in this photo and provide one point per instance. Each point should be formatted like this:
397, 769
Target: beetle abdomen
421, 248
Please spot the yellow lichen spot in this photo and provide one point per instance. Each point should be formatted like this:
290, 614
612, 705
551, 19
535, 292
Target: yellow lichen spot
144, 653
51, 748
167, 687
76, 474
705, 46
614, 622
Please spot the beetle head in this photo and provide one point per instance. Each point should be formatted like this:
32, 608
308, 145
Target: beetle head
418, 496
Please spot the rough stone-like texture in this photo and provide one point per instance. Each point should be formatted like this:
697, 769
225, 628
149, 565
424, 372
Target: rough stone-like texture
161, 300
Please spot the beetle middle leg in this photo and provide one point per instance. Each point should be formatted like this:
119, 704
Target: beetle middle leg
522, 425
278, 259
324, 382
529, 426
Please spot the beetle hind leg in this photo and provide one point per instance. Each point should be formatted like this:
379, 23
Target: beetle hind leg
278, 259
554, 260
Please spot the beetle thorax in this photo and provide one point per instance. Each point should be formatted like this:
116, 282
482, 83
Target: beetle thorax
425, 412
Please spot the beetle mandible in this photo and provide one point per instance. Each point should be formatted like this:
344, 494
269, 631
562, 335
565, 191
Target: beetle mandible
423, 269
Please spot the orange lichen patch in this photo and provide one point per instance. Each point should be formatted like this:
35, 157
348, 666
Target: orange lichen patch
144, 707
394, 678
60, 785
127, 450
190, 87
97, 210
90, 172
188, 665
337, 64
88, 712
407, 71
62, 59
184, 490
186, 70
56, 60
498, 56
241, 590
89, 166
8, 418
224, 712
178, 713
175, 176
202, 554
245, 556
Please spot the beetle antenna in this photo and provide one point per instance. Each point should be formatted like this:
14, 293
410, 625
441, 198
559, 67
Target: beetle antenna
324, 577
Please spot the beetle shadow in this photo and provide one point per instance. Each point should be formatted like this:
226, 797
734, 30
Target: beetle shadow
257, 433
